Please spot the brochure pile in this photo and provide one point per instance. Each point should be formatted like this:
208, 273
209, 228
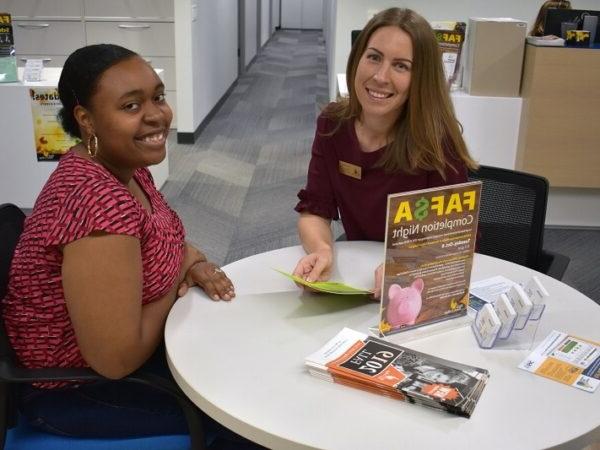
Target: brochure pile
375, 365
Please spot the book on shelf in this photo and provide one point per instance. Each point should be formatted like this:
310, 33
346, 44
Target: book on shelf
429, 243
357, 360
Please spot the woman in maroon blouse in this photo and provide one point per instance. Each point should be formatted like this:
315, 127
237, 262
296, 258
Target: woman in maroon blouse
395, 132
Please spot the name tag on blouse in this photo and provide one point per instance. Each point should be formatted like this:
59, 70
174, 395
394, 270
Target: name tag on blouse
350, 170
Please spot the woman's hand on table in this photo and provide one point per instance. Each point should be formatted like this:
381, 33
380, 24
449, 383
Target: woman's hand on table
315, 266
377, 282
210, 278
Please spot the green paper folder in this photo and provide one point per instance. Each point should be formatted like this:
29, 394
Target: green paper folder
329, 287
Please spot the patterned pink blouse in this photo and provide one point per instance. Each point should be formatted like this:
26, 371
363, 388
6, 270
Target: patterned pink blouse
80, 197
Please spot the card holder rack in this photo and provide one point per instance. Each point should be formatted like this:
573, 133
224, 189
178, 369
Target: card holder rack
509, 321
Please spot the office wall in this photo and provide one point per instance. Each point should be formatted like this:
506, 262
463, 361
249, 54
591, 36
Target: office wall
304, 14
250, 31
312, 14
264, 21
206, 42
329, 27
275, 15
352, 15
573, 207
291, 14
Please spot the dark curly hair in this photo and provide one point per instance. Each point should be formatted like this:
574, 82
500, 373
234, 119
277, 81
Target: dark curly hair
79, 79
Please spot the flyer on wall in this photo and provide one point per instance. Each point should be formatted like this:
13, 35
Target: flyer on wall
51, 140
8, 60
429, 245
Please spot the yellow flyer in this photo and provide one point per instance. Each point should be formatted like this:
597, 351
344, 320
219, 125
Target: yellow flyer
429, 244
51, 141
566, 359
328, 287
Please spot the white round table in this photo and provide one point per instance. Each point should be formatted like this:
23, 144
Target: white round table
243, 364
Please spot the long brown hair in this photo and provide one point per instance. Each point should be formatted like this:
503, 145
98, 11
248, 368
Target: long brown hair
538, 25
427, 124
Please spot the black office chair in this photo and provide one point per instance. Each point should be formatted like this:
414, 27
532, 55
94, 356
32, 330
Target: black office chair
511, 219
12, 375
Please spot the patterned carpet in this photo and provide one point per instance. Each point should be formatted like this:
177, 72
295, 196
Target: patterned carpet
236, 187
583, 247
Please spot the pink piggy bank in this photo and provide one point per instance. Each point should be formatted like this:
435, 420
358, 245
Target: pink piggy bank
405, 303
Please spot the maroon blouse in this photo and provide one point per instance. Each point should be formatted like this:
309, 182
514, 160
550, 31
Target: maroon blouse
361, 203
80, 197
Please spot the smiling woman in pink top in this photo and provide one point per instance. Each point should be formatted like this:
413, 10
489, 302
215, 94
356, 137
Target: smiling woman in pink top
102, 257
395, 132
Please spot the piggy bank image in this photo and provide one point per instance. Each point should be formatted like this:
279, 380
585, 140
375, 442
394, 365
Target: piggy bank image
405, 303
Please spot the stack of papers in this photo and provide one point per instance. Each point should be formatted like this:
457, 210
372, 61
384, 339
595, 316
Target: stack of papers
375, 365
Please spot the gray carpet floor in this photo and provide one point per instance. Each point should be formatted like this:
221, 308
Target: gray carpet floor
583, 247
236, 187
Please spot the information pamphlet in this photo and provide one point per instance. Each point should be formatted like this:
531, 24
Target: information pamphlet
375, 365
51, 141
488, 290
450, 37
566, 359
329, 287
429, 244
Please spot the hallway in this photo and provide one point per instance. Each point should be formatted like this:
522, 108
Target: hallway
236, 187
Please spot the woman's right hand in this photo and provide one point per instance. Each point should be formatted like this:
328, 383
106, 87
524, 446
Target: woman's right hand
315, 266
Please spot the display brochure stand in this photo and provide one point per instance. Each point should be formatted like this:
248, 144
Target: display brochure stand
425, 330
507, 314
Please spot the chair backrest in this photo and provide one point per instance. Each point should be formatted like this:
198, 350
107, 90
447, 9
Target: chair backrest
11, 226
512, 214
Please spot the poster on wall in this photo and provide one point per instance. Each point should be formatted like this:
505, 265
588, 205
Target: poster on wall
8, 60
429, 244
51, 141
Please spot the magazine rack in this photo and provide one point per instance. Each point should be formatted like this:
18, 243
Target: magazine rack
507, 313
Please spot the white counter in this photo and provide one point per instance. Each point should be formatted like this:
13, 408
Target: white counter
22, 176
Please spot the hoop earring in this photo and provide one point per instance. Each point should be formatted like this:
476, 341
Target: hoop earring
92, 145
